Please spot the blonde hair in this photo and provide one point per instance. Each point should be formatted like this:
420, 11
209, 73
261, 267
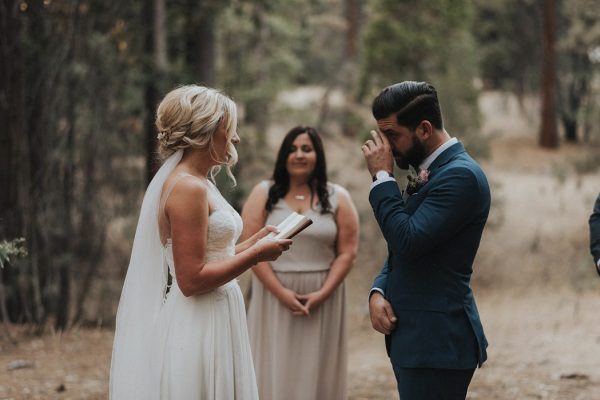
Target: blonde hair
189, 116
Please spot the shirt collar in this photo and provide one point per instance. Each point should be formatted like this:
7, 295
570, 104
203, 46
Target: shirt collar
427, 162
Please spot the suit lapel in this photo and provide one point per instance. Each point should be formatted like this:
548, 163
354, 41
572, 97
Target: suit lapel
446, 156
413, 201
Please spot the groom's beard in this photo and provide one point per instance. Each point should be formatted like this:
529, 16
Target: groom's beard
413, 156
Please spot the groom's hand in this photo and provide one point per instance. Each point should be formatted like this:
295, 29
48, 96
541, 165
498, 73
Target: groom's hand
382, 315
378, 153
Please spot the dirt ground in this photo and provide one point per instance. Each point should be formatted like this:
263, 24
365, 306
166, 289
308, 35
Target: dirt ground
543, 345
534, 281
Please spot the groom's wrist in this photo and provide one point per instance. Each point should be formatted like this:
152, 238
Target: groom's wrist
382, 174
376, 290
381, 177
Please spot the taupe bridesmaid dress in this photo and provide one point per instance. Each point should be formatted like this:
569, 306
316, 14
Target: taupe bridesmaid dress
300, 357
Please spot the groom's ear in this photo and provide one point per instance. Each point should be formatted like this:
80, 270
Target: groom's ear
424, 130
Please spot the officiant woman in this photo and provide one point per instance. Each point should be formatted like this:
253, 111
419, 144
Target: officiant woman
297, 313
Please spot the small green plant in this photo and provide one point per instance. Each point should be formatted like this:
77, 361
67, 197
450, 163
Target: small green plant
12, 248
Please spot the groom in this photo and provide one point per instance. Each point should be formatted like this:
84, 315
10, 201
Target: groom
422, 299
595, 234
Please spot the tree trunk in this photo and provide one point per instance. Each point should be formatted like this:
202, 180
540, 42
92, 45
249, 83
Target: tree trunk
11, 120
150, 91
13, 155
67, 242
257, 106
200, 41
548, 133
160, 36
89, 252
352, 12
570, 126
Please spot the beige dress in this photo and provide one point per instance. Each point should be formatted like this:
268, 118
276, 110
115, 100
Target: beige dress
300, 357
206, 349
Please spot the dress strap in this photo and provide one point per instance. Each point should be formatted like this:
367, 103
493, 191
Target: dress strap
266, 184
333, 196
170, 188
163, 223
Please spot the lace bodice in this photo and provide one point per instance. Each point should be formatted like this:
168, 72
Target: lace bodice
224, 229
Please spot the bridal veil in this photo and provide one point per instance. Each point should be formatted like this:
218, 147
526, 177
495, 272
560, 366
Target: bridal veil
134, 370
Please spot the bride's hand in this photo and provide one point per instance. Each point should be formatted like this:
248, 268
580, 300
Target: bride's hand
289, 298
263, 233
268, 249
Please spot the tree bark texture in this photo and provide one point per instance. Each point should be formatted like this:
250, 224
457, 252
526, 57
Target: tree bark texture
548, 132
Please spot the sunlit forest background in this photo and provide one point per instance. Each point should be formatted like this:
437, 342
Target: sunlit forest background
519, 83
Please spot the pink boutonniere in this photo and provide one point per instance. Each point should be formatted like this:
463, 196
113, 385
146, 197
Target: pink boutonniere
415, 182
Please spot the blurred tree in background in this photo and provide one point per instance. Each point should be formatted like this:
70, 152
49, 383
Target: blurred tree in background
509, 42
579, 63
80, 81
432, 41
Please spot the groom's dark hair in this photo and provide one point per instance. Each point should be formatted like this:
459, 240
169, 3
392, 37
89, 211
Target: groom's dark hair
412, 102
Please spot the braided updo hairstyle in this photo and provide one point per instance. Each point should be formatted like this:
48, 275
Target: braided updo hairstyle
189, 116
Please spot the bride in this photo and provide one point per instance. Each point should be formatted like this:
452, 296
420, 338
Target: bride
189, 341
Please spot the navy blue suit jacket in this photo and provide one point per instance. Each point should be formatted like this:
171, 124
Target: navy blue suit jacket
595, 233
432, 240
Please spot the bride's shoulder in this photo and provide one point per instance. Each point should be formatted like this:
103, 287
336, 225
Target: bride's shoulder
182, 186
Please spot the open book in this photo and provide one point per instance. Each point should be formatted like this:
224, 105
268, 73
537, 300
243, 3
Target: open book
291, 226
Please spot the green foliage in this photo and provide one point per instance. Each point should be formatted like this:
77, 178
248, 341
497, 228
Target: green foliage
430, 41
508, 36
12, 248
82, 105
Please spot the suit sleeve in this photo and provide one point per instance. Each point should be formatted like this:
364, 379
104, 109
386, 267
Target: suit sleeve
595, 231
381, 279
446, 209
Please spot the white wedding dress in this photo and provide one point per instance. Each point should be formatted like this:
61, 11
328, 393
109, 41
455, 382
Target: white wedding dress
206, 345
171, 347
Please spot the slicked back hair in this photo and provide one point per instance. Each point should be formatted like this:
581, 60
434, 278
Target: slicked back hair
412, 102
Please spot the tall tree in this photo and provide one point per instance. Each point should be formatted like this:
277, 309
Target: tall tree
548, 132
153, 53
160, 36
68, 186
352, 11
578, 40
12, 119
200, 40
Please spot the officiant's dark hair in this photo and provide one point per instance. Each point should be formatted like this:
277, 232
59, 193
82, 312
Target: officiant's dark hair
412, 102
281, 176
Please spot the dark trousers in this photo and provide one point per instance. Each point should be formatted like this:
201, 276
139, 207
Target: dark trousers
433, 383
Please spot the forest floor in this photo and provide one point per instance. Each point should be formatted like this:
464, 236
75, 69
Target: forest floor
537, 293
543, 345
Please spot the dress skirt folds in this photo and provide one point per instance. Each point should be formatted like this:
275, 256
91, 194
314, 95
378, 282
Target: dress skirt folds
207, 353
298, 357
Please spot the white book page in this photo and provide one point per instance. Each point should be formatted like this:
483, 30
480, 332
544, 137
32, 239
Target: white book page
283, 225
291, 226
